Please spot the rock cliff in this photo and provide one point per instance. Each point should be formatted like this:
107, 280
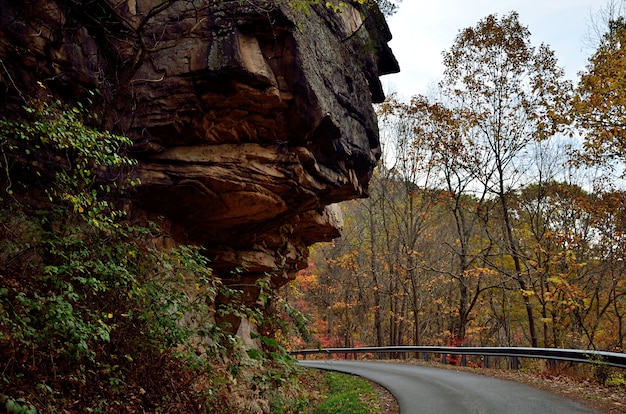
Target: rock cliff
250, 119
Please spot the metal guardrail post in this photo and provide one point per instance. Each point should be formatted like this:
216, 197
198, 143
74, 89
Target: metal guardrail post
426, 356
515, 363
485, 361
464, 360
444, 359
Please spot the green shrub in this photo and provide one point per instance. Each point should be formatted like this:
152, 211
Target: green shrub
91, 316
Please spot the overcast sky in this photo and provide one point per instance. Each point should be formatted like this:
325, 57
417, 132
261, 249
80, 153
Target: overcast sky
423, 29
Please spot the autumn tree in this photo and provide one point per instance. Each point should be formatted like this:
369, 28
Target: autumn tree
514, 94
446, 161
594, 280
599, 108
409, 212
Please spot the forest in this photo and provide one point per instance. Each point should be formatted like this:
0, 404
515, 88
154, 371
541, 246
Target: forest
497, 216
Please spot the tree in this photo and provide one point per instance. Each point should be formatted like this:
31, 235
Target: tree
445, 160
599, 107
407, 203
514, 95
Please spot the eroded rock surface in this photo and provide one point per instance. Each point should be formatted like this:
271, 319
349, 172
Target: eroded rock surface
249, 119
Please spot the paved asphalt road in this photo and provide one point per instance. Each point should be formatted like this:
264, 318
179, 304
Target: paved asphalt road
425, 390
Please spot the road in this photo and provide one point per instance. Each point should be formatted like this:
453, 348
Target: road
426, 390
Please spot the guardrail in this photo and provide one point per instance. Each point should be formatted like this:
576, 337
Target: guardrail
612, 359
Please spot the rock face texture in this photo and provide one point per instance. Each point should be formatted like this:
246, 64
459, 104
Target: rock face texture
250, 119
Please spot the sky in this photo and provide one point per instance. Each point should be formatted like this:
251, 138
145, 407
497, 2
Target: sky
423, 29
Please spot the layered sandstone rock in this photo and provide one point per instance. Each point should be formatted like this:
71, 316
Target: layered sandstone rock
249, 119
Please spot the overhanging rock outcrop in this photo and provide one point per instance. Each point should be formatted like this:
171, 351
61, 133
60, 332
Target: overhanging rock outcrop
250, 119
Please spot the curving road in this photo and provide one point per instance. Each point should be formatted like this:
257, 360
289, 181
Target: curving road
426, 390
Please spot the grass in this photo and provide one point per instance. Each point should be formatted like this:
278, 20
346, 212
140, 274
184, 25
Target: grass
327, 392
347, 394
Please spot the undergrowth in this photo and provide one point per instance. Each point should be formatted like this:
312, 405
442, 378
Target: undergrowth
93, 316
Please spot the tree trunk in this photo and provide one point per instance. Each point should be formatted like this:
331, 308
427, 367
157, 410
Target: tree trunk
378, 324
518, 266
